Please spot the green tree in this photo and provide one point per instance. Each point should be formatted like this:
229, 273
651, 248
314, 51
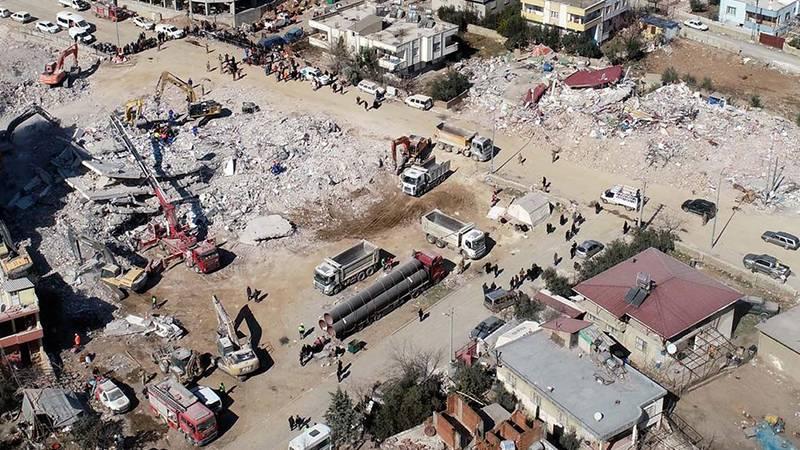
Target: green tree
570, 441
344, 420
506, 399
473, 380
340, 56
528, 308
90, 431
669, 76
458, 17
449, 86
580, 44
634, 48
515, 29
618, 250
707, 84
697, 5
755, 101
556, 283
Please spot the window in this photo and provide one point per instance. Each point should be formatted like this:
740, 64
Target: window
640, 344
554, 14
532, 9
730, 10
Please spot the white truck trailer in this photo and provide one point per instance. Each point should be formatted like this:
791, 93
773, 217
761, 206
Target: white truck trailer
420, 178
447, 231
348, 267
467, 143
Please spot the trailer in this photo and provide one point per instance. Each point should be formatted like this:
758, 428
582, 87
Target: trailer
467, 143
447, 231
406, 281
420, 178
350, 266
183, 411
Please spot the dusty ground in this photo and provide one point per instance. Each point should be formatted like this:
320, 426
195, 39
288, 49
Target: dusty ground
721, 409
729, 75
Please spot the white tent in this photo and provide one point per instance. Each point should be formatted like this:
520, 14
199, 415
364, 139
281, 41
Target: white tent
531, 210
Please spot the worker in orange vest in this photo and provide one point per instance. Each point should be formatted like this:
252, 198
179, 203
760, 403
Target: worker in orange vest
77, 341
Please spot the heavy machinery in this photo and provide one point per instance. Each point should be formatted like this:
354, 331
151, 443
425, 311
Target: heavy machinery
443, 231
32, 110
54, 73
183, 411
177, 239
405, 281
111, 273
15, 261
352, 265
467, 143
237, 357
182, 363
420, 178
197, 109
133, 110
413, 149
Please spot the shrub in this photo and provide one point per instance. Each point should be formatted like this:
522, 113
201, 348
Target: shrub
458, 17
795, 42
755, 101
707, 84
473, 380
690, 80
449, 86
697, 5
669, 76
555, 283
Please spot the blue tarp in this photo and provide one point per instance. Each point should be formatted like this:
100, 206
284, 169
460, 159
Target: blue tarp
768, 440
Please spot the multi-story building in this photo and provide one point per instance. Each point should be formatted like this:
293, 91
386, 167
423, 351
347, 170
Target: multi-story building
20, 329
595, 18
231, 12
404, 41
481, 8
773, 17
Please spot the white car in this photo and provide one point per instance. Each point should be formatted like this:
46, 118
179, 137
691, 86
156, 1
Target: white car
419, 101
312, 73
370, 87
78, 34
696, 24
208, 397
111, 396
21, 17
4, 12
79, 5
141, 22
170, 30
47, 27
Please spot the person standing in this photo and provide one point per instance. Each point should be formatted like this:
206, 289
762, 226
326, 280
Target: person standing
153, 303
222, 388
421, 314
339, 371
555, 258
302, 330
76, 341
291, 423
573, 250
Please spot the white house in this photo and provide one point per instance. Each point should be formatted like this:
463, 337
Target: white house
772, 17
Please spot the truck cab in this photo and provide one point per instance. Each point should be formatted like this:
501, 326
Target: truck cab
481, 148
413, 181
474, 244
325, 278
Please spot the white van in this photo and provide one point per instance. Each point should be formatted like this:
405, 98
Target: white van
67, 19
419, 101
626, 196
370, 87
79, 35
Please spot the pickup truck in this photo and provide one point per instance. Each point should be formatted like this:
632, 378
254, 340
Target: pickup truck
420, 178
766, 264
625, 196
447, 231
467, 143
348, 267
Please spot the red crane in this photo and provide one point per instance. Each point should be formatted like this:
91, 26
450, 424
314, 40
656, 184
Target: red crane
54, 73
177, 238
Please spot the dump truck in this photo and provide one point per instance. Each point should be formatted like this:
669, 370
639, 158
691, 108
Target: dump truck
183, 411
467, 143
447, 231
405, 281
420, 178
348, 267
14, 260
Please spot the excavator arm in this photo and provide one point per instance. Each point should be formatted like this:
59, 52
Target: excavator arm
32, 110
167, 77
7, 241
226, 327
71, 50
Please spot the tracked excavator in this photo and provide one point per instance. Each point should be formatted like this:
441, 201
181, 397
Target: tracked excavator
117, 279
54, 73
202, 110
237, 357
32, 110
412, 149
15, 261
133, 110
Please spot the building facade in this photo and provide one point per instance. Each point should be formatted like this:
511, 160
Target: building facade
597, 19
779, 343
403, 44
20, 329
481, 8
229, 12
773, 17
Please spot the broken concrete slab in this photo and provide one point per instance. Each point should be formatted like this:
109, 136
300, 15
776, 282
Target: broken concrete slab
119, 191
115, 170
265, 227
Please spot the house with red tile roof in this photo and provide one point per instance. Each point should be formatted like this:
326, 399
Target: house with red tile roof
658, 307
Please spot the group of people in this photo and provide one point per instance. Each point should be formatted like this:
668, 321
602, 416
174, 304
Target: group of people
141, 44
228, 64
297, 422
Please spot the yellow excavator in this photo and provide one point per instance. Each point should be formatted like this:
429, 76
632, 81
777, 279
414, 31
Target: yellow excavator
198, 109
133, 110
15, 261
237, 357
112, 275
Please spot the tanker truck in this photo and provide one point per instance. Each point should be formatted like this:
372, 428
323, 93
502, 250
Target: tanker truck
407, 280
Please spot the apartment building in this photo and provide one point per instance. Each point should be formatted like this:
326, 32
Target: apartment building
20, 329
597, 19
773, 17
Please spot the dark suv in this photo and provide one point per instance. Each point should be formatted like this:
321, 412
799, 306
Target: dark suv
700, 207
486, 327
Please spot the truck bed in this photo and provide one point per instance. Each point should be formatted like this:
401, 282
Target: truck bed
453, 135
443, 220
354, 254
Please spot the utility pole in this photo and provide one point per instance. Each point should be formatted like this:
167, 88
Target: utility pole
641, 204
716, 213
494, 129
450, 314
116, 26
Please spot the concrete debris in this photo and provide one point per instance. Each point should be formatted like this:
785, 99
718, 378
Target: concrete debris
266, 227
165, 327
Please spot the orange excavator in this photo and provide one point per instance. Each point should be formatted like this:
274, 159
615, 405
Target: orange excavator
54, 73
412, 148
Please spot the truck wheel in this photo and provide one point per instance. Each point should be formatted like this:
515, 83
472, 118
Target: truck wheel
440, 243
370, 271
362, 276
430, 239
448, 149
467, 153
336, 290
476, 158
605, 202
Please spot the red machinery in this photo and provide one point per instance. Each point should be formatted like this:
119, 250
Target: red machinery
176, 238
412, 149
54, 73
183, 411
111, 12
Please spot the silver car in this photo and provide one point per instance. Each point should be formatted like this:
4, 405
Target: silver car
781, 239
588, 248
766, 264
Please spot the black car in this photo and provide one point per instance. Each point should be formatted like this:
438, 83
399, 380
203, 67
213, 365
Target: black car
486, 327
700, 207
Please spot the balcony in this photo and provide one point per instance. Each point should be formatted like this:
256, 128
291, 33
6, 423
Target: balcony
390, 62
22, 337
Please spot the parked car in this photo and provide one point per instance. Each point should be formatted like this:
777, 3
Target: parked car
46, 26
370, 87
209, 398
170, 30
781, 239
500, 299
700, 207
141, 22
312, 73
486, 327
79, 5
696, 24
766, 264
760, 307
111, 396
419, 101
21, 17
588, 248
81, 35
4, 12
69, 19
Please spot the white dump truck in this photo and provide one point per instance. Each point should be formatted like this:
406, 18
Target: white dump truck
447, 231
348, 267
467, 143
626, 196
420, 178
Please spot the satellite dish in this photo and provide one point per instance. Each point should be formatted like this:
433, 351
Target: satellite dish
672, 348
598, 416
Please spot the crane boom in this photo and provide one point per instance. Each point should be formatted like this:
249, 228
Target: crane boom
226, 327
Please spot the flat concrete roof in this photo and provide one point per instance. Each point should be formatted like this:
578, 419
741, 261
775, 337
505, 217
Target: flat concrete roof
783, 328
770, 5
575, 389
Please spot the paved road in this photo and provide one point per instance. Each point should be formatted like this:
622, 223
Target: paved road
736, 42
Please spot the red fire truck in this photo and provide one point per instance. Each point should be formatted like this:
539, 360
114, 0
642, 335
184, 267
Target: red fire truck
183, 411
